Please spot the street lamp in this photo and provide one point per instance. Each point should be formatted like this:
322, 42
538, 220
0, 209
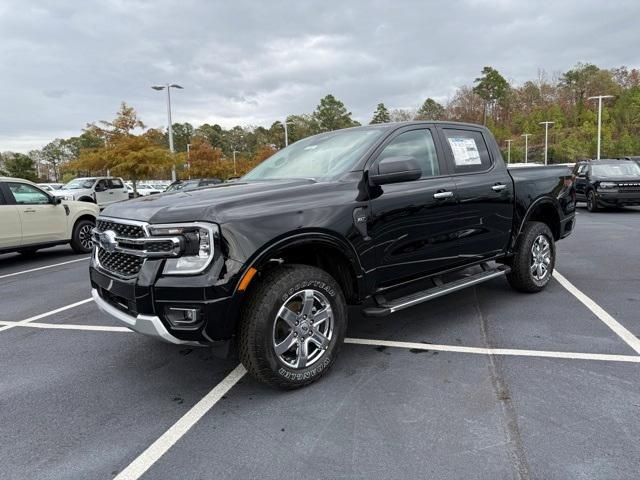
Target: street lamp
234, 161
599, 97
286, 131
509, 150
546, 138
526, 145
169, 86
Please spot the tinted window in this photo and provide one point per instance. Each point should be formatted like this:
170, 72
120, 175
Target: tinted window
470, 153
417, 144
582, 169
116, 183
25, 194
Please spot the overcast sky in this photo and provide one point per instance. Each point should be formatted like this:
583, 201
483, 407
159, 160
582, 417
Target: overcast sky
66, 63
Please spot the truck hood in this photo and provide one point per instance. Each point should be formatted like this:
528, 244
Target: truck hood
212, 203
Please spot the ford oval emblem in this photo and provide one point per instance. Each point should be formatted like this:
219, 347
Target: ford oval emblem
107, 241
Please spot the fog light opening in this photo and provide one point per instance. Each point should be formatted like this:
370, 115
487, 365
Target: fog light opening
184, 318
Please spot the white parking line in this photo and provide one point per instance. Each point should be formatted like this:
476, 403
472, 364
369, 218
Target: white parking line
42, 268
158, 448
495, 351
21, 323
68, 326
599, 312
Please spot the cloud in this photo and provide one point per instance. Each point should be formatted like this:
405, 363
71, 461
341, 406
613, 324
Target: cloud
68, 63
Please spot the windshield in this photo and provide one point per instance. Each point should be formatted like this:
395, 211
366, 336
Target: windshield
622, 169
79, 183
320, 156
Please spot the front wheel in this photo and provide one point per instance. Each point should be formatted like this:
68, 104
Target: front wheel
534, 259
592, 202
293, 326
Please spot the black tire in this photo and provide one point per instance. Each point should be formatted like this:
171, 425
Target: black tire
28, 252
522, 277
81, 237
592, 201
261, 323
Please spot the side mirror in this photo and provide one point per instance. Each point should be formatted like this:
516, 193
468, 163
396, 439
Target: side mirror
56, 200
396, 169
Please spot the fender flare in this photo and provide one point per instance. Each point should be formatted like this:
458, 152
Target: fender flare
327, 238
536, 203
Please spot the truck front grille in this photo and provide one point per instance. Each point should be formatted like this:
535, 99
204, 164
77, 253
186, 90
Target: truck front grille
121, 264
122, 229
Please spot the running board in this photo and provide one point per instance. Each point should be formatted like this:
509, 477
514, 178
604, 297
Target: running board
398, 304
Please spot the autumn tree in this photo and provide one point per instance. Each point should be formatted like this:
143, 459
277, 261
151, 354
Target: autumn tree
430, 110
124, 153
381, 115
206, 161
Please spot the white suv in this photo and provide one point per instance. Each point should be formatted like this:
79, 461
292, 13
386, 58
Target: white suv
31, 218
100, 190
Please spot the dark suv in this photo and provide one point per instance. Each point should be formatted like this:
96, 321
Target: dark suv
607, 183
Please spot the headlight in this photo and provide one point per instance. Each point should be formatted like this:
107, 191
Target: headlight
608, 185
69, 197
198, 250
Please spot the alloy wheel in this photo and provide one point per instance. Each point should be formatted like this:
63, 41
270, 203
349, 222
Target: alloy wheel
303, 328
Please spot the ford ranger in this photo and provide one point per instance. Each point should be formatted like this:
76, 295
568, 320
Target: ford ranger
388, 216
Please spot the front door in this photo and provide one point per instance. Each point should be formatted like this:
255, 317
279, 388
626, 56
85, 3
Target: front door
42, 221
413, 224
485, 193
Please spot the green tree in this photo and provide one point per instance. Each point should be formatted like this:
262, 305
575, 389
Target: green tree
492, 88
182, 134
430, 110
56, 154
19, 165
331, 114
381, 115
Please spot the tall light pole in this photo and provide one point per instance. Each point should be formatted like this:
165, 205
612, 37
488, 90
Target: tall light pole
189, 159
286, 131
599, 97
169, 86
546, 138
526, 145
234, 161
509, 150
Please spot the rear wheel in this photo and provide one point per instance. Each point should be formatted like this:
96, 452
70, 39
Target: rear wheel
592, 202
535, 257
81, 238
293, 326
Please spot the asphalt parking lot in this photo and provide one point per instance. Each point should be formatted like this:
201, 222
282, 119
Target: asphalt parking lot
485, 383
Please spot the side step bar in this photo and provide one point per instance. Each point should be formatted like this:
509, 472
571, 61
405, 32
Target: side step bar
398, 304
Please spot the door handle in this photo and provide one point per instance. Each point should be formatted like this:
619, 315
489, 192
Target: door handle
440, 195
499, 187
110, 193
29, 210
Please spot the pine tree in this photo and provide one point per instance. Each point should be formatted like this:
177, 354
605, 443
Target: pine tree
381, 115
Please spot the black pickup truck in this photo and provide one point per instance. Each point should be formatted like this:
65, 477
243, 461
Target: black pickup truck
354, 216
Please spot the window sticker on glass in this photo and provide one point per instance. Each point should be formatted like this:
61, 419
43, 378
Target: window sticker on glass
465, 151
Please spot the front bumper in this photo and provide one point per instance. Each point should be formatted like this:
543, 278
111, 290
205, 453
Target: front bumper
613, 198
150, 325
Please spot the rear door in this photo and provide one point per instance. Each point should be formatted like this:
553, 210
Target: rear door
413, 223
42, 221
10, 224
484, 189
